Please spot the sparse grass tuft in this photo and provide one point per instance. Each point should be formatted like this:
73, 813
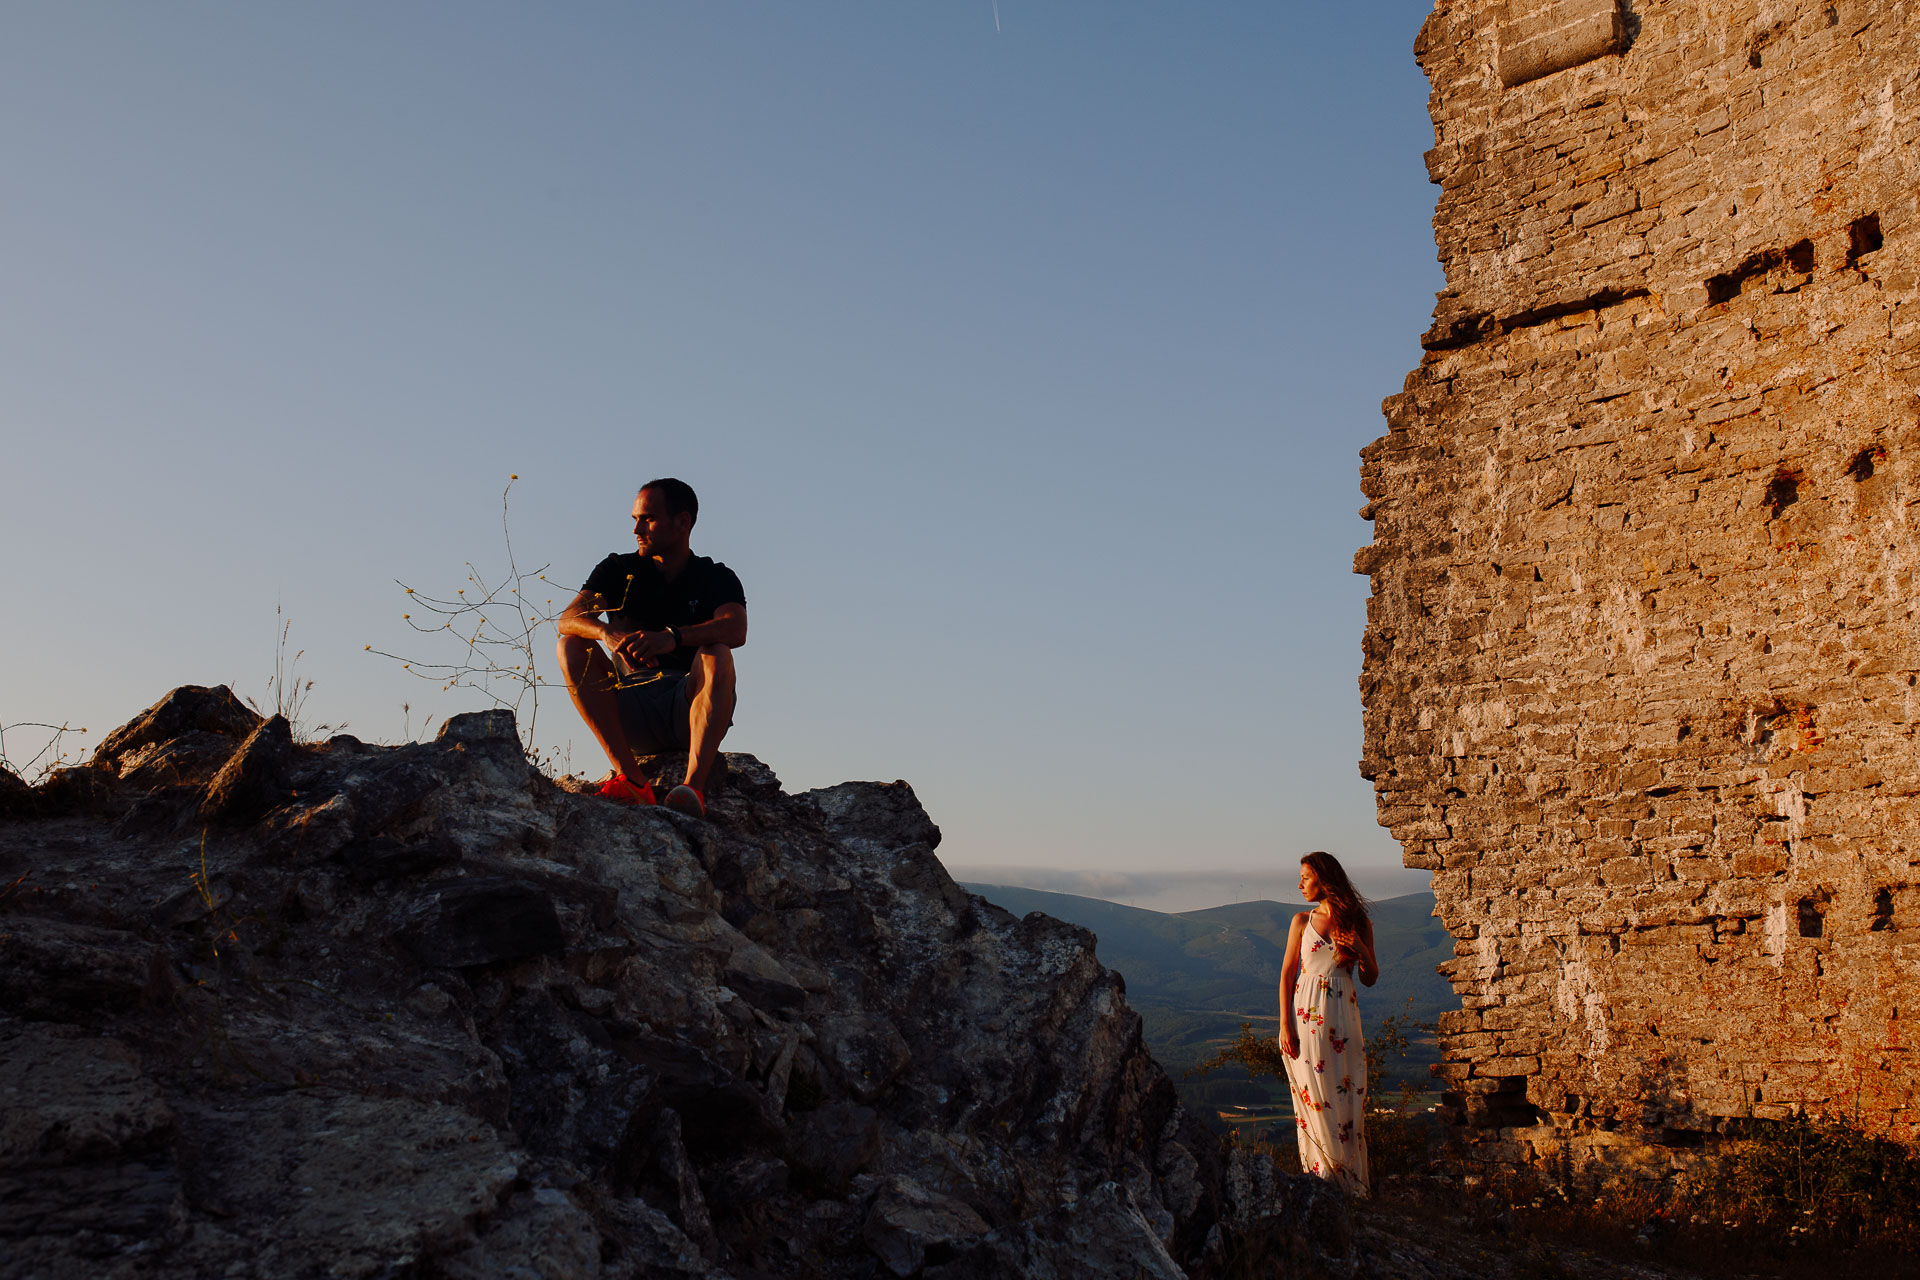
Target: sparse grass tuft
287, 693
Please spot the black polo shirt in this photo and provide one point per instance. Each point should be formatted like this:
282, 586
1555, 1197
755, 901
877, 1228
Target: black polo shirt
637, 596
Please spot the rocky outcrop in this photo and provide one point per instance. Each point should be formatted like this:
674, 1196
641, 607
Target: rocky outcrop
337, 1009
1640, 655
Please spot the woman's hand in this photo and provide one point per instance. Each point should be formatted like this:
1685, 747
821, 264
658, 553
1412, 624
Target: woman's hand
1354, 947
1290, 1041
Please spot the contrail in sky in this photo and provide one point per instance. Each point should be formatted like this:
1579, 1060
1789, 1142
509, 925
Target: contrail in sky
996, 17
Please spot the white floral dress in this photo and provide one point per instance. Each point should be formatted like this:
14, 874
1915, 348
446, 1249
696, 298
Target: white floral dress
1329, 1078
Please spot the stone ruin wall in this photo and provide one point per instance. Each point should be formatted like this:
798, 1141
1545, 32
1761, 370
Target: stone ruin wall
1641, 654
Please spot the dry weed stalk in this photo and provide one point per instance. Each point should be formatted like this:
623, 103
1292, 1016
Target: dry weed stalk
495, 626
52, 755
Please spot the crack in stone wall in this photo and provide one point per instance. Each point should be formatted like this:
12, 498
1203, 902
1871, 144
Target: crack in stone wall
1641, 655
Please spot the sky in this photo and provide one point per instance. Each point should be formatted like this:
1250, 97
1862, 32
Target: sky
1020, 354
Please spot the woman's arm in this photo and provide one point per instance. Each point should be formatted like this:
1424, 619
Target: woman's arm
1289, 975
1363, 950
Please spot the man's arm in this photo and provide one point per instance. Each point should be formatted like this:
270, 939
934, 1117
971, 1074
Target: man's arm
582, 618
728, 627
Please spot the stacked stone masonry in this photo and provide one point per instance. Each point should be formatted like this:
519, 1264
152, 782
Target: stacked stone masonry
1641, 656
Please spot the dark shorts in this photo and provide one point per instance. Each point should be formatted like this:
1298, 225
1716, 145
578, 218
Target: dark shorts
653, 711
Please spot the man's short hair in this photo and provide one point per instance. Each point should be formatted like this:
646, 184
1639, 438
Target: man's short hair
677, 494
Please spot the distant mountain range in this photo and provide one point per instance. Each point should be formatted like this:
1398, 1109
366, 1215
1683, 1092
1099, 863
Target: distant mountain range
1195, 976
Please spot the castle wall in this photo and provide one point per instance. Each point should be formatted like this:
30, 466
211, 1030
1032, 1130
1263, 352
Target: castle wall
1641, 654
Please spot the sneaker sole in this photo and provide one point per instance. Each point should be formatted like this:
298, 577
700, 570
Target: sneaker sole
683, 800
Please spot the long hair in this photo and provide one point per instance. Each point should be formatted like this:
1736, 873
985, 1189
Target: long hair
1344, 903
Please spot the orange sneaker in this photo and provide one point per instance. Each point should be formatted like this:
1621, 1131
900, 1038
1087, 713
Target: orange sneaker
687, 800
620, 788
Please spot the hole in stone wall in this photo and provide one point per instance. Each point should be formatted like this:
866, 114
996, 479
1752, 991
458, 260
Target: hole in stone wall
1725, 288
1629, 25
1512, 1112
1863, 237
1812, 923
1782, 493
1800, 256
1553, 311
1861, 468
1882, 910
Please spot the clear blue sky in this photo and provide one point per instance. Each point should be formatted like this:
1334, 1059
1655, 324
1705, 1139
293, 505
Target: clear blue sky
1021, 373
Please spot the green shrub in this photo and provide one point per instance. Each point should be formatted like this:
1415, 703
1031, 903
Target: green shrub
1817, 1179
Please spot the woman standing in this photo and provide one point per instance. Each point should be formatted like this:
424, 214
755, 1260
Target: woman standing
1320, 1022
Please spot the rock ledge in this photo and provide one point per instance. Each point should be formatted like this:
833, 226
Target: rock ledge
282, 1010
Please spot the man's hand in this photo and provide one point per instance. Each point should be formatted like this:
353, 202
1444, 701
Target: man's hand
641, 648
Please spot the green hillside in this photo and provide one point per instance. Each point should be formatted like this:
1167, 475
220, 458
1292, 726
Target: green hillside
1195, 976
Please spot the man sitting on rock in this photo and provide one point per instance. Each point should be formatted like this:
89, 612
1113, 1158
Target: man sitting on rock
664, 679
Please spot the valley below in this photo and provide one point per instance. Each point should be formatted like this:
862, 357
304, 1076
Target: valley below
1196, 976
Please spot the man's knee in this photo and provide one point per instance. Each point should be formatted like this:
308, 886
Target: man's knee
575, 654
716, 657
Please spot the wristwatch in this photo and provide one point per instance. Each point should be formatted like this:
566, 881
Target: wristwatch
675, 633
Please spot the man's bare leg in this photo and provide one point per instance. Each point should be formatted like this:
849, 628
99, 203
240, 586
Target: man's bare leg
710, 701
590, 681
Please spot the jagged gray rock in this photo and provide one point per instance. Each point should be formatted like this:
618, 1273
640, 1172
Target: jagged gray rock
254, 778
178, 723
431, 1012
